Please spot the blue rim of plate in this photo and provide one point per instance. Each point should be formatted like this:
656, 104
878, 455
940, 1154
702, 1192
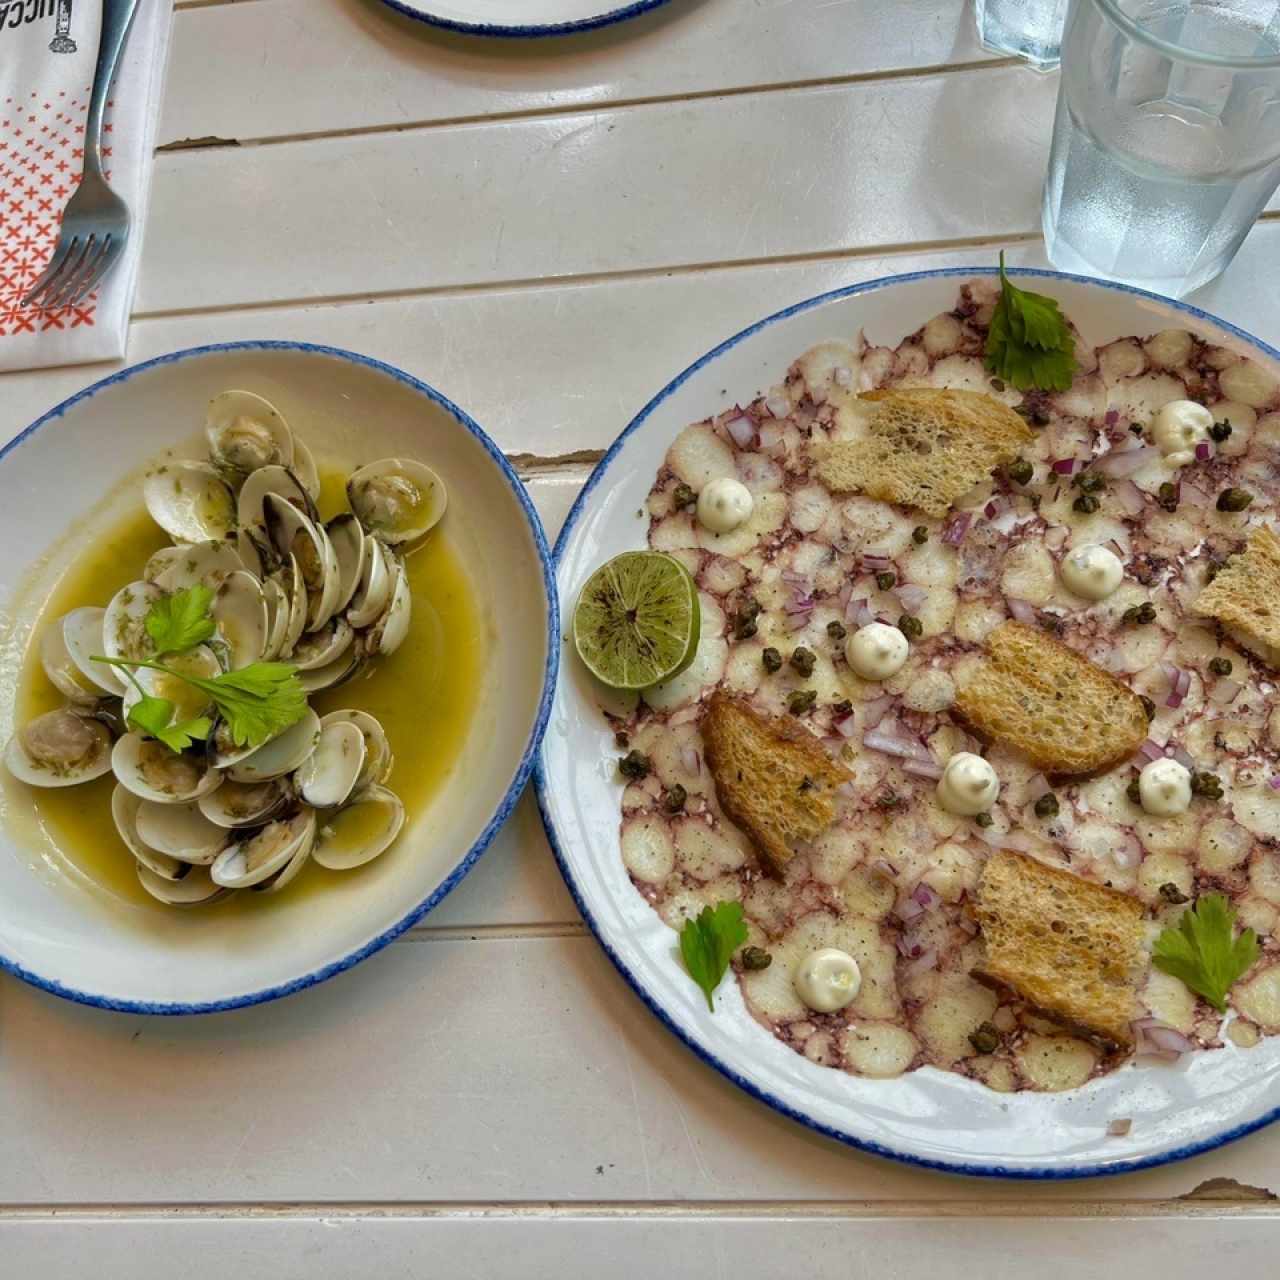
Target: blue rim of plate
520, 31
540, 779
516, 788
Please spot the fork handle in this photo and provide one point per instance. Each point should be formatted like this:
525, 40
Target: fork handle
117, 17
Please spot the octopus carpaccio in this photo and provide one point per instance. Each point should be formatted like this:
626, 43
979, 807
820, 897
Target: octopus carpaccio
888, 881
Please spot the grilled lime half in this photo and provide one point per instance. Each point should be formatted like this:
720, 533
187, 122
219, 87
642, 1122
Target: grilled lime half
637, 620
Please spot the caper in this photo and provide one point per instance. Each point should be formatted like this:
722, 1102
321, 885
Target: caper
674, 800
1167, 496
802, 660
634, 766
1136, 428
1021, 471
1172, 894
1086, 504
1220, 666
1220, 431
1134, 791
772, 660
910, 627
745, 628
1089, 482
919, 535
886, 581
755, 958
1234, 499
985, 1038
1148, 706
842, 708
1039, 418
836, 629
683, 496
800, 700
1206, 784
984, 819
1139, 614
1047, 806
996, 384
1050, 622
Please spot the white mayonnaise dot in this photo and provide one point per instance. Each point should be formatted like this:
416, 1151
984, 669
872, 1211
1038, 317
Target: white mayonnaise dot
827, 980
724, 504
1177, 428
1164, 786
876, 651
968, 785
1092, 572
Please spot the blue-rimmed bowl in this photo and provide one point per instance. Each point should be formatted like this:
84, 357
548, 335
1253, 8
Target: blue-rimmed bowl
935, 1119
523, 19
72, 474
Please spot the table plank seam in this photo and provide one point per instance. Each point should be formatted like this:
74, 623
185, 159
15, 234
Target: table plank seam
577, 109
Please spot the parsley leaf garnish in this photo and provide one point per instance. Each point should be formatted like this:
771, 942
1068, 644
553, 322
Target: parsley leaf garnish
1028, 342
257, 702
708, 943
180, 621
1204, 951
152, 715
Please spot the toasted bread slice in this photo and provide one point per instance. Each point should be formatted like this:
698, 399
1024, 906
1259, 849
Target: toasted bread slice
1064, 713
772, 777
1070, 947
925, 447
1245, 595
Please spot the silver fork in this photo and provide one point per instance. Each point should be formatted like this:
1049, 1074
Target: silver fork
95, 223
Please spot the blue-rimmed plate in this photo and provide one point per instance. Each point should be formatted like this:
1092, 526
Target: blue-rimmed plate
523, 18
925, 1117
72, 474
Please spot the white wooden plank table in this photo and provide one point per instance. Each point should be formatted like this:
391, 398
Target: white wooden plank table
547, 231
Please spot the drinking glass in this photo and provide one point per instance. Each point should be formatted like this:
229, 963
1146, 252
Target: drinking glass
1166, 145
1030, 29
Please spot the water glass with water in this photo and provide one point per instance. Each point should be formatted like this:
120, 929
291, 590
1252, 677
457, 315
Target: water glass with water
1028, 29
1166, 146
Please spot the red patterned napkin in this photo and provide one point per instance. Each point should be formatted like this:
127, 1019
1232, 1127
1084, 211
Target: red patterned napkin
48, 49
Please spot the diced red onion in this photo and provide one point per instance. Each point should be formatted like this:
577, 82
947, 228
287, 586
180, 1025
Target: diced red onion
770, 436
925, 895
691, 761
779, 406
799, 603
1037, 786
1063, 466
1111, 417
1130, 497
1224, 691
843, 377
888, 744
909, 946
1156, 1039
994, 508
919, 769
1021, 610
908, 909
875, 710
1181, 755
1128, 854
912, 597
968, 927
1274, 783
859, 613
794, 579
1179, 683
1150, 751
1204, 451
847, 726
885, 868
742, 431
873, 562
798, 621
956, 528
1124, 462
1119, 1128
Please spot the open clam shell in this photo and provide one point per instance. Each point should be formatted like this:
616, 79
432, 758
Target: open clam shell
180, 830
378, 759
397, 499
245, 804
276, 599
239, 612
293, 533
319, 648
246, 432
329, 774
188, 701
283, 754
207, 564
190, 502
151, 771
348, 540
376, 584
191, 888
64, 673
254, 859
124, 812
84, 634
304, 468
61, 748
388, 633
253, 494
124, 625
333, 673
360, 832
